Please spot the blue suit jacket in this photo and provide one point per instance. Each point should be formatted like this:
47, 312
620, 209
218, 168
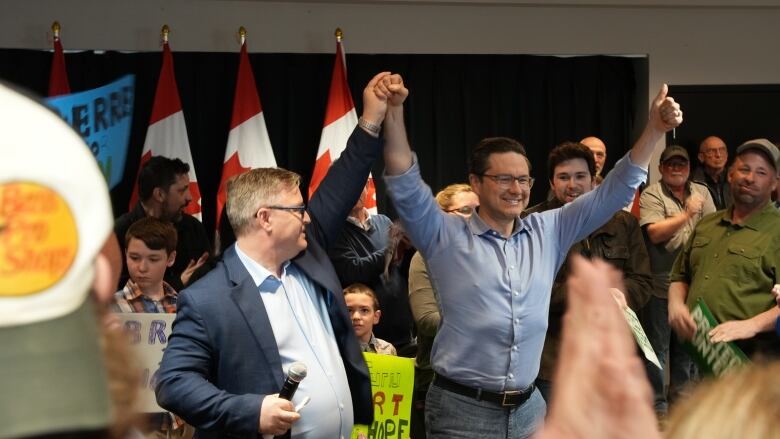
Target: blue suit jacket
222, 358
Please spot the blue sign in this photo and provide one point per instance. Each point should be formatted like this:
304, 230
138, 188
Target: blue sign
102, 116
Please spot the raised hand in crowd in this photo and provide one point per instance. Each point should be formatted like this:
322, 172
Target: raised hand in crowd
192, 267
602, 389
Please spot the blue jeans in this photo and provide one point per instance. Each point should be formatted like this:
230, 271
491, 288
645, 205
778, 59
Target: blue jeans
449, 415
655, 320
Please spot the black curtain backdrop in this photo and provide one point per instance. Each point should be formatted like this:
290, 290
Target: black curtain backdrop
735, 113
455, 101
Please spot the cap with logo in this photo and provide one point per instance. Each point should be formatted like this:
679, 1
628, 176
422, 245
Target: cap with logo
674, 151
764, 146
55, 215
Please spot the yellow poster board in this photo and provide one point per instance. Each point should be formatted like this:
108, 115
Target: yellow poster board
392, 386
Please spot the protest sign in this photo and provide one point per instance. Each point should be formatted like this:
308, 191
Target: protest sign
148, 333
102, 116
392, 384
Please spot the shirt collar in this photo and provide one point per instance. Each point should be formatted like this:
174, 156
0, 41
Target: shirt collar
479, 227
365, 226
370, 346
755, 220
133, 292
260, 275
668, 192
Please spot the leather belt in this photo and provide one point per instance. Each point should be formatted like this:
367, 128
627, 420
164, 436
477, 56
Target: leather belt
512, 398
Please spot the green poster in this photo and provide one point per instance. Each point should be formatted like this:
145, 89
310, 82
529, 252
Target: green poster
712, 358
392, 385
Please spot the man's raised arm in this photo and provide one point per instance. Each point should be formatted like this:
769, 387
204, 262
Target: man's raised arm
398, 153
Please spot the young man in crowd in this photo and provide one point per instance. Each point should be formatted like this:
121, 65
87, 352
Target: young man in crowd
572, 171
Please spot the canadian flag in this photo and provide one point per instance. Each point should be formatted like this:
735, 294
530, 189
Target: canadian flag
167, 133
248, 144
58, 76
340, 120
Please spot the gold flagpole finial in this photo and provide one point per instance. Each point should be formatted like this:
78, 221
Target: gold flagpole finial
55, 29
164, 33
242, 34
339, 34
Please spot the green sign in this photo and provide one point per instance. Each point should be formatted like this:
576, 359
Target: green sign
712, 358
392, 386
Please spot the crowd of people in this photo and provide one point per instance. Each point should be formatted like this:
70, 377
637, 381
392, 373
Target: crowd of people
514, 315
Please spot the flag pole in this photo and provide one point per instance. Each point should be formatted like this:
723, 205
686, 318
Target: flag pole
339, 34
242, 34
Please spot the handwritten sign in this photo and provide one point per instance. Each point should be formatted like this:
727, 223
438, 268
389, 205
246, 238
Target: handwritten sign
148, 333
392, 384
102, 116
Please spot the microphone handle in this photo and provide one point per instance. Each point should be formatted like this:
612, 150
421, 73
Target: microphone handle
288, 389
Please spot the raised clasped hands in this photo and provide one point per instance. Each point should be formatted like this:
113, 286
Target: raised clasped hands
384, 91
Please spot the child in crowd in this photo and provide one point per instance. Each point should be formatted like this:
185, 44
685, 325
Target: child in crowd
363, 307
151, 249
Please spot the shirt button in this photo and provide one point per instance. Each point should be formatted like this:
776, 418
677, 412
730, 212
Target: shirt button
511, 376
512, 267
516, 293
706, 277
341, 406
514, 348
517, 321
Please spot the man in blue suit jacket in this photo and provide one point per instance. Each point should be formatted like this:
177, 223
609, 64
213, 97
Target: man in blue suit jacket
274, 300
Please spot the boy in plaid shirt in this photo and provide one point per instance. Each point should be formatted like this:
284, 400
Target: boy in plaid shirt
151, 249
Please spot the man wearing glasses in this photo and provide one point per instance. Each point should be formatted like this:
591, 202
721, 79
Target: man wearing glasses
713, 156
494, 271
273, 301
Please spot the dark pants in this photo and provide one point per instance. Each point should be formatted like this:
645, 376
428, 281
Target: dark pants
681, 369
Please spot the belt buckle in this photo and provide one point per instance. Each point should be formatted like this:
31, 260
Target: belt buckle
507, 396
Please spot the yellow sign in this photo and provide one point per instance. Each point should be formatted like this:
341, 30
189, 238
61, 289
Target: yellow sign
38, 238
392, 386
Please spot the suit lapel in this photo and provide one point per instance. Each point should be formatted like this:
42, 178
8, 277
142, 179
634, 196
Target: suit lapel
246, 296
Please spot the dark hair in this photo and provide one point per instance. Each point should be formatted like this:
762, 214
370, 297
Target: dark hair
155, 233
478, 162
569, 151
159, 172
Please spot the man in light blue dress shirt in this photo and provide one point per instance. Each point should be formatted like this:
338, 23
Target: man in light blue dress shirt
494, 271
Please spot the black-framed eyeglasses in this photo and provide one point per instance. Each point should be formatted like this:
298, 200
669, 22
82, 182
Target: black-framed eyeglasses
295, 209
715, 151
465, 210
505, 180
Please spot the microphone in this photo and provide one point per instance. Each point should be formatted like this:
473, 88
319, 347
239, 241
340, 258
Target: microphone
295, 374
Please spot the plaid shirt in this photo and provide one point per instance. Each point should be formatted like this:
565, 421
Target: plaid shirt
132, 299
378, 346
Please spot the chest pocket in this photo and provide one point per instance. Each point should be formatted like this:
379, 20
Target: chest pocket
742, 262
699, 249
616, 254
